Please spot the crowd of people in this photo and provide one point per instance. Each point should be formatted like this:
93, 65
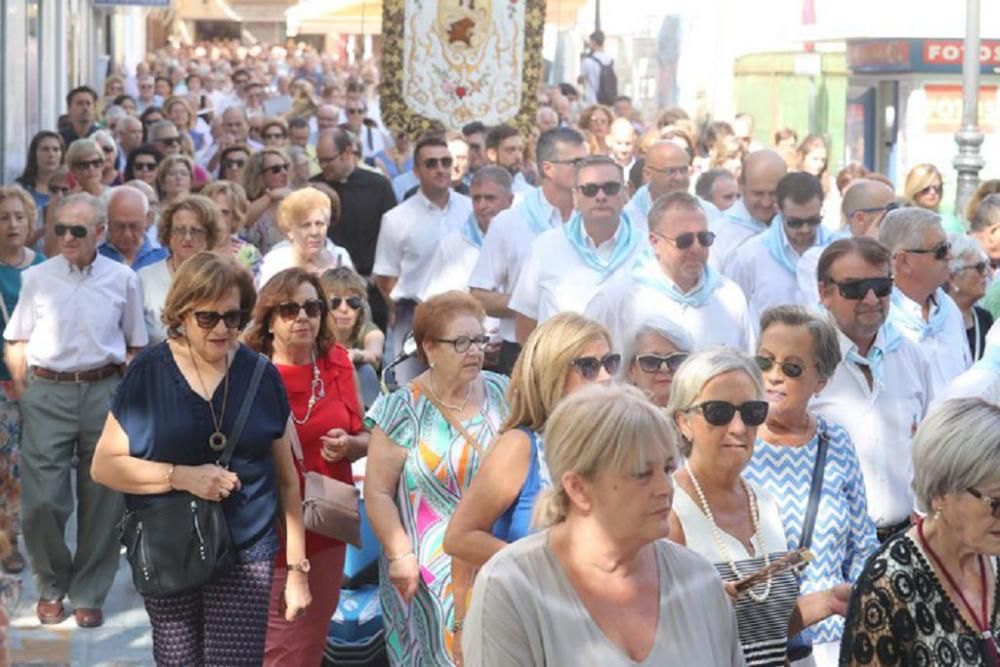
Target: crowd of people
652, 360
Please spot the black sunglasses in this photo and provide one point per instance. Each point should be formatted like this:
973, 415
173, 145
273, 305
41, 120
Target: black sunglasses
720, 413
209, 319
353, 302
433, 162
979, 268
686, 240
652, 363
891, 206
931, 188
291, 310
789, 369
590, 367
274, 135
993, 503
230, 164
855, 290
463, 343
796, 223
940, 251
276, 168
108, 150
611, 188
77, 231
170, 141
92, 164
144, 166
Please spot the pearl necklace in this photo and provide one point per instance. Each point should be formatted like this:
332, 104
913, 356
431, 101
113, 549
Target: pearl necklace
717, 534
317, 390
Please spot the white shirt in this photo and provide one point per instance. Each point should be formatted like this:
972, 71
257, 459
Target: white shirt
763, 280
590, 69
807, 277
77, 320
409, 235
729, 234
505, 248
948, 351
155, 279
451, 265
977, 382
555, 278
881, 422
622, 306
282, 256
520, 186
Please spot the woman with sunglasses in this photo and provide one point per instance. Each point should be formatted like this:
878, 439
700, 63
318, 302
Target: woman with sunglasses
924, 187
265, 179
188, 225
176, 400
109, 148
969, 273
428, 440
232, 203
929, 594
142, 163
290, 326
232, 160
274, 132
717, 404
653, 353
174, 178
86, 164
798, 353
350, 316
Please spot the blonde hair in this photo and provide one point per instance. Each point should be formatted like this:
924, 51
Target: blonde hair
253, 172
539, 375
201, 206
301, 203
16, 192
237, 197
920, 177
174, 100
599, 428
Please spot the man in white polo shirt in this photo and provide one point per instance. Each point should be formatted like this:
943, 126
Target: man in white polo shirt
764, 267
410, 233
882, 387
675, 280
666, 168
920, 308
567, 266
982, 380
510, 235
752, 213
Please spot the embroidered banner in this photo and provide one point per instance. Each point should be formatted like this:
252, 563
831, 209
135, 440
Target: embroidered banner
446, 63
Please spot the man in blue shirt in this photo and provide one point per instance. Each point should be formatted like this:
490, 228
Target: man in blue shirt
128, 213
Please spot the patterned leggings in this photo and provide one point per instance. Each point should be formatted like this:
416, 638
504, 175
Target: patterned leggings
222, 624
10, 453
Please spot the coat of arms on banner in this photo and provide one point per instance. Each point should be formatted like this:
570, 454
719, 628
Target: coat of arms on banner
450, 62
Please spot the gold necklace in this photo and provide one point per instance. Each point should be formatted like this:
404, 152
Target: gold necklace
218, 440
455, 408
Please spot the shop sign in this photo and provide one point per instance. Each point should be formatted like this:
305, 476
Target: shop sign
950, 52
882, 55
944, 108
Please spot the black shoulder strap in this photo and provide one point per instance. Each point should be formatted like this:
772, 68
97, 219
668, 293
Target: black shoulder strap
814, 491
241, 418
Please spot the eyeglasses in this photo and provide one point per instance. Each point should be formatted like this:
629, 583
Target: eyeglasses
652, 363
611, 188
291, 310
855, 290
993, 503
979, 268
796, 223
144, 166
574, 161
185, 232
233, 164
686, 240
170, 141
127, 226
277, 169
77, 231
57, 190
463, 343
323, 161
96, 163
940, 251
670, 171
209, 319
590, 367
721, 413
274, 135
433, 162
353, 302
789, 369
931, 188
108, 150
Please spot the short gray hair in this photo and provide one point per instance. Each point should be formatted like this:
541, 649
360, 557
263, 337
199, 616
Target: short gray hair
697, 371
104, 135
156, 128
987, 215
494, 174
658, 325
961, 246
957, 448
77, 198
826, 344
904, 228
671, 200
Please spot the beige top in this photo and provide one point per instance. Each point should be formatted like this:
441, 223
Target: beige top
524, 611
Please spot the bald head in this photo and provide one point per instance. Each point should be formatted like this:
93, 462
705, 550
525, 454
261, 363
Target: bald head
667, 169
127, 217
128, 131
621, 141
759, 182
864, 206
546, 118
327, 116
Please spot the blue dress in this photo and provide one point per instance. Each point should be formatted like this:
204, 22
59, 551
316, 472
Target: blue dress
515, 523
843, 536
10, 290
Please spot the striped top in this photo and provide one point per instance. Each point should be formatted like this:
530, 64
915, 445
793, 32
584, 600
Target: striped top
763, 626
843, 536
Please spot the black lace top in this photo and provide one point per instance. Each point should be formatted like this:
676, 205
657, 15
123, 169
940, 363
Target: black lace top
899, 614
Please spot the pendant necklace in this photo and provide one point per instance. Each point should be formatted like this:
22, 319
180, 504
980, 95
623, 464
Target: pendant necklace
218, 440
317, 390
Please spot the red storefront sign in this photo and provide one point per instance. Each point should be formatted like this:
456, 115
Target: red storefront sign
944, 108
950, 51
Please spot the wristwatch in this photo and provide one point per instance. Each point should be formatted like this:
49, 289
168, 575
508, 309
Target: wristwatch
302, 566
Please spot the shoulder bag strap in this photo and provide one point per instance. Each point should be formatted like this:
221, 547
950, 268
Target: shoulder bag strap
241, 418
452, 420
814, 492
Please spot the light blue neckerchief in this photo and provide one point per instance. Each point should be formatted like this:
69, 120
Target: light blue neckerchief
642, 200
647, 272
625, 243
892, 338
534, 211
990, 361
471, 231
739, 215
901, 314
776, 241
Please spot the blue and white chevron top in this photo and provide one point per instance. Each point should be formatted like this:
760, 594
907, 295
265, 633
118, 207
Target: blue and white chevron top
844, 535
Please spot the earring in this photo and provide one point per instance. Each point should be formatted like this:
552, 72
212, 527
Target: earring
431, 364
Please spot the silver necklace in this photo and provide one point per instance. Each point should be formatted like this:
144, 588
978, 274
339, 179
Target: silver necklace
455, 408
317, 390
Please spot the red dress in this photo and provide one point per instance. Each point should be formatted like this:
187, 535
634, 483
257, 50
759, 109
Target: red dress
337, 409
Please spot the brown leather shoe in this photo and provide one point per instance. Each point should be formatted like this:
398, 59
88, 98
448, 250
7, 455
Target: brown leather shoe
50, 612
89, 618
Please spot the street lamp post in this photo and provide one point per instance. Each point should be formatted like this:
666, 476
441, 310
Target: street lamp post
969, 162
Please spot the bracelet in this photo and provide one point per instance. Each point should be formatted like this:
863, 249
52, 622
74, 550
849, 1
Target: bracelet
456, 626
167, 477
405, 554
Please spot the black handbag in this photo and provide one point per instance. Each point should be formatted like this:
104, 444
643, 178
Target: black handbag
183, 541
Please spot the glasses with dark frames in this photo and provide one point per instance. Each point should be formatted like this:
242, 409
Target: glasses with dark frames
276, 169
611, 188
686, 240
789, 369
590, 367
209, 319
463, 343
797, 223
353, 302
938, 189
76, 231
721, 413
653, 363
290, 310
856, 290
96, 163
979, 268
433, 162
940, 251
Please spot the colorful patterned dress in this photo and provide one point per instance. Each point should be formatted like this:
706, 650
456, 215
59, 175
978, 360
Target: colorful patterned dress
439, 467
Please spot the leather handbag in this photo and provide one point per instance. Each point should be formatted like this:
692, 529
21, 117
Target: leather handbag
181, 542
329, 506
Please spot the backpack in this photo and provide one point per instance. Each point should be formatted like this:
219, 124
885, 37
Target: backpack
607, 87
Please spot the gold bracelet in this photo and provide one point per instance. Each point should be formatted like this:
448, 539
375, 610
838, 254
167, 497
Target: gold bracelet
170, 473
393, 559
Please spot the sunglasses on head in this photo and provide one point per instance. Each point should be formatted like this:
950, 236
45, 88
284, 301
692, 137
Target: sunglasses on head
686, 240
855, 290
979, 268
433, 162
652, 363
353, 302
940, 251
291, 310
931, 188
611, 188
233, 164
96, 163
797, 223
209, 319
789, 369
590, 367
276, 169
991, 502
721, 413
77, 231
